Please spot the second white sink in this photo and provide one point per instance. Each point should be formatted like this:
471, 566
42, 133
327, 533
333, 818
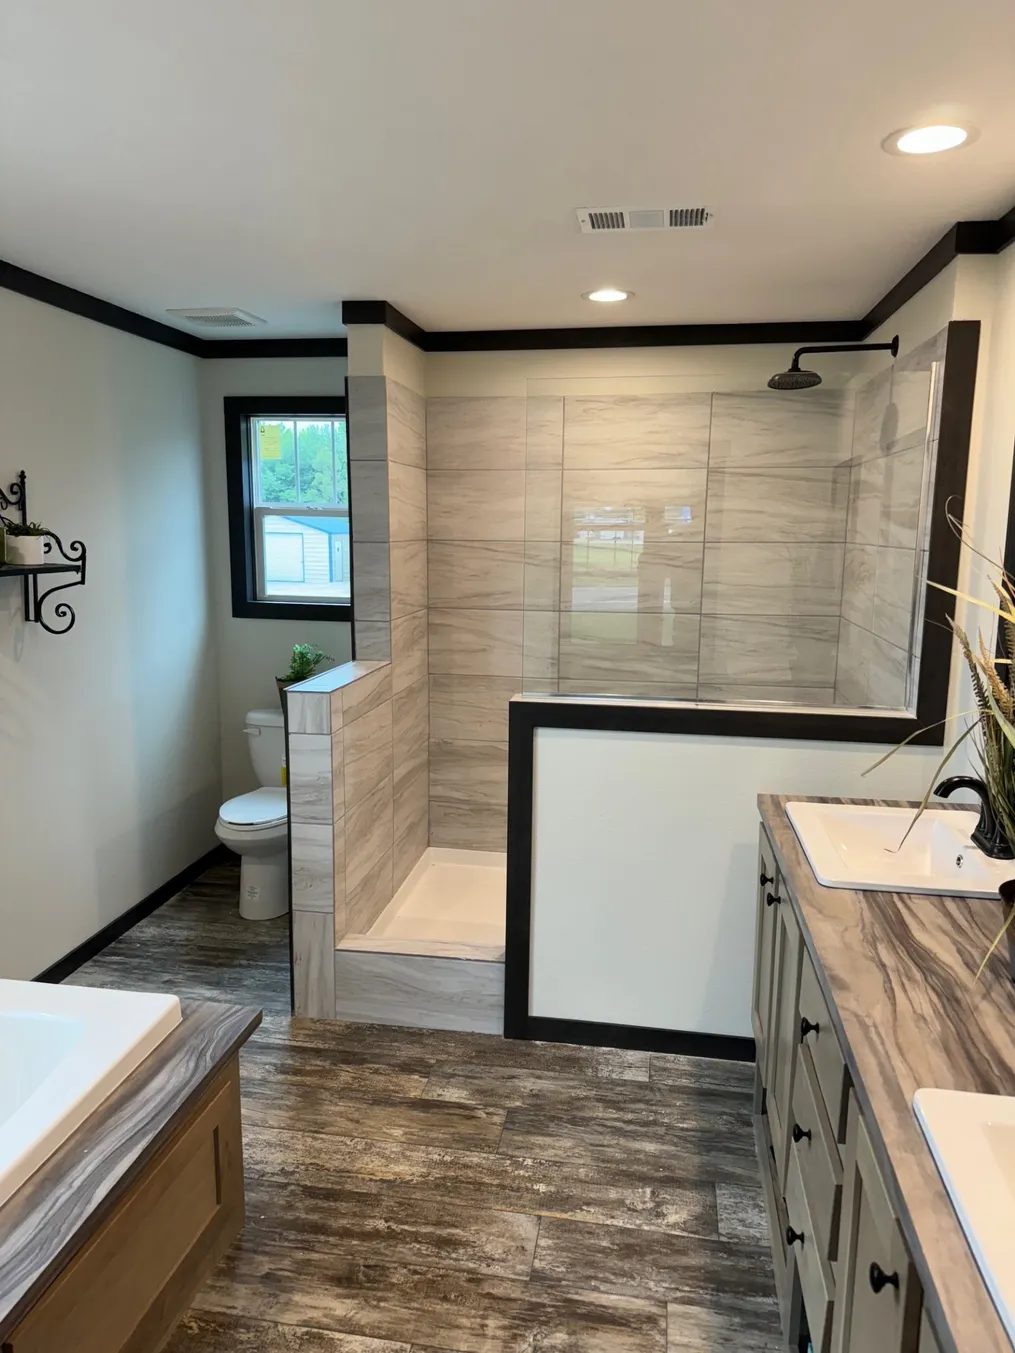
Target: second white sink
852, 845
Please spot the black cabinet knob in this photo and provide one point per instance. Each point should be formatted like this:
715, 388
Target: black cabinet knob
879, 1279
793, 1236
800, 1133
806, 1027
765, 879
771, 898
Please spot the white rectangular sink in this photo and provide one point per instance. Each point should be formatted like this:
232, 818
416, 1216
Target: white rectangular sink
972, 1140
851, 845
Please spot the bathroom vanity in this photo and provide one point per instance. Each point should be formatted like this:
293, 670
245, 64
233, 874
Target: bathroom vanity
860, 999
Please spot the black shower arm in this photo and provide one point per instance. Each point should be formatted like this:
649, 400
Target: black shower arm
892, 347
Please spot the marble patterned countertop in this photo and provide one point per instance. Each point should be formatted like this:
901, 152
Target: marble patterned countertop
898, 971
47, 1221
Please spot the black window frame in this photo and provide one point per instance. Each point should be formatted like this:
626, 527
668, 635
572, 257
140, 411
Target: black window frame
238, 411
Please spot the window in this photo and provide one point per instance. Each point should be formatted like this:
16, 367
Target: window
288, 480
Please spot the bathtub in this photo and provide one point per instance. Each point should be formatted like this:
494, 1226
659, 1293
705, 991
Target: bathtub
63, 1050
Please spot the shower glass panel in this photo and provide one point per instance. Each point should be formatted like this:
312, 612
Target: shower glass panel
699, 538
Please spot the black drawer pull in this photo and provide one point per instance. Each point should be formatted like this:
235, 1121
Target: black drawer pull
793, 1236
879, 1279
800, 1133
765, 879
806, 1027
771, 898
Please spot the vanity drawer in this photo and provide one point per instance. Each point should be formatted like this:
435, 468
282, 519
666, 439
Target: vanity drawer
829, 1064
817, 1286
816, 1155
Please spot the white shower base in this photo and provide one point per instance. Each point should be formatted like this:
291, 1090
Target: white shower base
434, 958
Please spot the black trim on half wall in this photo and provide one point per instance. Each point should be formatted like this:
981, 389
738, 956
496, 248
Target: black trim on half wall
102, 939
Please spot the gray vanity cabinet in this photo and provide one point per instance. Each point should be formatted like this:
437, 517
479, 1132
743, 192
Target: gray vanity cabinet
764, 954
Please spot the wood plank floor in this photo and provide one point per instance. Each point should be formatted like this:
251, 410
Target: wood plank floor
410, 1191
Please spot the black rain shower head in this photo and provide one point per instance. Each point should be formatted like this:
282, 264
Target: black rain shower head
797, 379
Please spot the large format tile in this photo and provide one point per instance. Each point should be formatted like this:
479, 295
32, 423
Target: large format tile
409, 650
772, 579
411, 810
629, 690
309, 775
372, 640
471, 707
887, 675
368, 835
411, 719
371, 580
476, 643
604, 573
476, 505
211, 1332
368, 499
860, 568
408, 582
313, 943
367, 899
900, 501
367, 755
542, 505
544, 431
468, 826
657, 504
894, 592
313, 866
476, 432
541, 584
478, 574
793, 506
309, 712
368, 691
866, 491
368, 421
636, 431
868, 424
852, 672
406, 502
760, 430
732, 1321
469, 772
604, 646
426, 992
910, 412
540, 647
770, 650
406, 412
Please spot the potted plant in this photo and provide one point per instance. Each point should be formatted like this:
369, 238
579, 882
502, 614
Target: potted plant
24, 542
305, 660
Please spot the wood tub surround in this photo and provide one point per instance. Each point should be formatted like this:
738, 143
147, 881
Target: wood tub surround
860, 999
103, 1248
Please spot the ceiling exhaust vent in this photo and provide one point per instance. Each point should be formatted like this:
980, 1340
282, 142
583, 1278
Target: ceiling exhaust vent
217, 317
595, 220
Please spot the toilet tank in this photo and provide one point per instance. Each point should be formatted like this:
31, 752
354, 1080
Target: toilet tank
266, 740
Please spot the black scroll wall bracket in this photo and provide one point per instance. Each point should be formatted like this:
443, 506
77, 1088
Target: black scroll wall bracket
35, 578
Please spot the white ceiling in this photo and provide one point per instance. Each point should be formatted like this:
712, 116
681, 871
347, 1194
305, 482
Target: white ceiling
280, 155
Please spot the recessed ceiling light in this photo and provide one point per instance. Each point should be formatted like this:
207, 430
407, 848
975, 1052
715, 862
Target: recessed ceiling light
927, 140
607, 295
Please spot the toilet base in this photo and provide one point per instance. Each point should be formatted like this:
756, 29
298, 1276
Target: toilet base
264, 886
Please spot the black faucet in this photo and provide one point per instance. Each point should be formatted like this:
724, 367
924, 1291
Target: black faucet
988, 834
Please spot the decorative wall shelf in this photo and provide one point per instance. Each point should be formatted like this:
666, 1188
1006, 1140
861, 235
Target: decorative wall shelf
72, 560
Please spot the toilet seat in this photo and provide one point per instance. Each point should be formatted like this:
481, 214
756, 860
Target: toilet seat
255, 811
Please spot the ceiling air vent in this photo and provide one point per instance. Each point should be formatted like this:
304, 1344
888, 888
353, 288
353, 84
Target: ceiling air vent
217, 317
594, 220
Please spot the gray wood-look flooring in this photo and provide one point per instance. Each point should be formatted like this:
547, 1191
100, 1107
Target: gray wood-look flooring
415, 1191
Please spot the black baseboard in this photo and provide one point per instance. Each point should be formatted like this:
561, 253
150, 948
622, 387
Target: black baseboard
632, 1036
70, 963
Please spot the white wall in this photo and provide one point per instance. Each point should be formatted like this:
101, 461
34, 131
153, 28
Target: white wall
253, 652
644, 866
109, 756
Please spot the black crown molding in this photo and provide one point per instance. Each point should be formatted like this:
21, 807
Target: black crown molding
965, 237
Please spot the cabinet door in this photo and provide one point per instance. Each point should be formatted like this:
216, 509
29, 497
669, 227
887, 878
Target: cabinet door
784, 1031
764, 951
878, 1305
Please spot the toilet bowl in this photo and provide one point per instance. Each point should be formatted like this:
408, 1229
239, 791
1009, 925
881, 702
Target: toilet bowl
256, 825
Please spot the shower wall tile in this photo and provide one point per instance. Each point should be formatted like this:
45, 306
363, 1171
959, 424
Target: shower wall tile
792, 506
773, 650
371, 688
859, 571
373, 640
631, 690
772, 579
367, 753
887, 673
866, 486
869, 429
372, 580
476, 642
411, 718
661, 504
471, 707
477, 433
823, 696
894, 590
309, 712
368, 835
406, 502
909, 415
852, 671
760, 429
411, 826
406, 428
542, 505
313, 866
608, 575
313, 964
606, 648
467, 826
408, 650
541, 585
479, 574
408, 581
540, 646
309, 764
367, 418
476, 504
371, 895
900, 504
636, 431
544, 431
338, 874
469, 772
368, 499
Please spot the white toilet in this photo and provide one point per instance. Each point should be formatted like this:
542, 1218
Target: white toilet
256, 825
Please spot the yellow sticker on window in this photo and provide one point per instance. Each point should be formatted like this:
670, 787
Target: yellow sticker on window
269, 441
